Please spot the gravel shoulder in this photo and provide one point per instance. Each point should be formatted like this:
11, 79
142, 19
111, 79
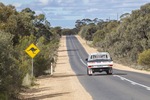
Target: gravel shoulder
63, 85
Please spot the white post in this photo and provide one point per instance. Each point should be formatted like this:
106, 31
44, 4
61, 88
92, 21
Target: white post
51, 69
32, 68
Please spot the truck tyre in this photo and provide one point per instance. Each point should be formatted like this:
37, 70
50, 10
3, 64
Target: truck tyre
89, 72
109, 71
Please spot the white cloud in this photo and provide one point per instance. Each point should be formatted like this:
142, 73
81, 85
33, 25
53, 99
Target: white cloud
92, 10
17, 4
44, 2
65, 1
38, 12
85, 1
59, 1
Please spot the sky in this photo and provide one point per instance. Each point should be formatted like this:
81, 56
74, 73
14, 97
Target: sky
64, 13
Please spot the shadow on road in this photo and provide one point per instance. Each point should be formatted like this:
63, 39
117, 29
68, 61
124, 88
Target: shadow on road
68, 75
61, 63
68, 50
120, 74
65, 56
78, 75
61, 75
33, 90
103, 74
47, 96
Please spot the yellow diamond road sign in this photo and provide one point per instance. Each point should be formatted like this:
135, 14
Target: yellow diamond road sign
32, 50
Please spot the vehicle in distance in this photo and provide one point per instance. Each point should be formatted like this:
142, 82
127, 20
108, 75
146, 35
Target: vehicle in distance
99, 62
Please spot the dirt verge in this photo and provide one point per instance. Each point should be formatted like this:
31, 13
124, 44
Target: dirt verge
63, 85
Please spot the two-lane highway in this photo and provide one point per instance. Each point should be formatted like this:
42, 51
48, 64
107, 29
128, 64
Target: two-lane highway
122, 85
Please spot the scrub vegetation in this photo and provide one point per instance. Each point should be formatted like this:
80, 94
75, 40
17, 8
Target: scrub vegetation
126, 39
17, 31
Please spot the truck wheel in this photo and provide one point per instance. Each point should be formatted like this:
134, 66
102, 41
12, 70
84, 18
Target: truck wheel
89, 72
109, 71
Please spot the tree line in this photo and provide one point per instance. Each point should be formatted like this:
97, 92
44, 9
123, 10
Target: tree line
127, 39
17, 31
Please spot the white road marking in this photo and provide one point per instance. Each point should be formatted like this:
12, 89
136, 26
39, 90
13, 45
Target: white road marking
132, 82
83, 62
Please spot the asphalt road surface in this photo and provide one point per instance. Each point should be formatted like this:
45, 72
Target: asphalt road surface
122, 85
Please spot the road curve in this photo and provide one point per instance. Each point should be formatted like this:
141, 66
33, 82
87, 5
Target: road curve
122, 85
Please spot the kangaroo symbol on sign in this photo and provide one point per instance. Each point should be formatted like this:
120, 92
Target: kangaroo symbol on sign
32, 49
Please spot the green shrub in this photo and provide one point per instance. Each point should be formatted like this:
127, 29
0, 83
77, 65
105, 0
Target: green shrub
3, 96
144, 58
10, 74
98, 36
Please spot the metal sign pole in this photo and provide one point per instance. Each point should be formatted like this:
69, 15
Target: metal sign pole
32, 68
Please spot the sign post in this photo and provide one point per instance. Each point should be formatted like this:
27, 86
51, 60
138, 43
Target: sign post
32, 68
32, 51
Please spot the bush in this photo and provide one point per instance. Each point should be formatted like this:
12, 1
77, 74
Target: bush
3, 96
46, 55
98, 36
144, 58
10, 74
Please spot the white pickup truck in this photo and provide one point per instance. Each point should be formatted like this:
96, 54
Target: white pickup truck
99, 62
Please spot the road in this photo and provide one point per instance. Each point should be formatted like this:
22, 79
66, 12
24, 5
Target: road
122, 85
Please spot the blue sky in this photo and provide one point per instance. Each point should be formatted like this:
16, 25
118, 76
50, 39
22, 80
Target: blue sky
64, 13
